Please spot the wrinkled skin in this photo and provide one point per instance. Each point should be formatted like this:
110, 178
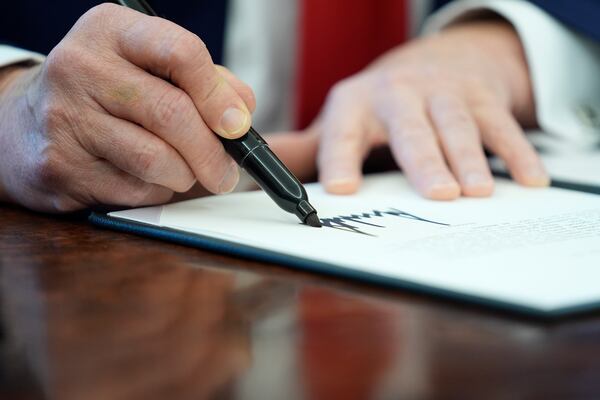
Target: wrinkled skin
121, 112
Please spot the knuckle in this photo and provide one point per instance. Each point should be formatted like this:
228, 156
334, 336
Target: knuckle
49, 170
54, 115
102, 11
211, 91
460, 118
462, 152
209, 161
192, 43
410, 130
338, 160
444, 102
476, 83
170, 109
428, 164
70, 65
402, 80
456, 122
247, 94
60, 61
184, 47
146, 159
342, 152
96, 22
394, 79
415, 145
480, 93
345, 138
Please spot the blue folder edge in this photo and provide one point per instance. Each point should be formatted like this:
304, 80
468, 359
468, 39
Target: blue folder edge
273, 257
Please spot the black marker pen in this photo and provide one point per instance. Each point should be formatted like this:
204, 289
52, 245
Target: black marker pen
253, 154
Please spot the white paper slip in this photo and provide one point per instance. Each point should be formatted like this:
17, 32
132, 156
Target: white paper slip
533, 249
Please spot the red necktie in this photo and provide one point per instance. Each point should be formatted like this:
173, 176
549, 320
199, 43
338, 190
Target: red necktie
339, 38
347, 347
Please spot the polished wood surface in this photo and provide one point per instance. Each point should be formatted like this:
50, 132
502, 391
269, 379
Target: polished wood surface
94, 314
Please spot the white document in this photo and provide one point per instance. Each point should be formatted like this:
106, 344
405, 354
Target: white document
538, 249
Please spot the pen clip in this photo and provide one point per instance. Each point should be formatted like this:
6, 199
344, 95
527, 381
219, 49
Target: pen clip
139, 5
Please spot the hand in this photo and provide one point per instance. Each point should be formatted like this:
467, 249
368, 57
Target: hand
122, 112
437, 102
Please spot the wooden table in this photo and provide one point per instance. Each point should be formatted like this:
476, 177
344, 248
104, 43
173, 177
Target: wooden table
94, 314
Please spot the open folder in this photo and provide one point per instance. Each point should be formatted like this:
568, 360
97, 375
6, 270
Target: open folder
530, 250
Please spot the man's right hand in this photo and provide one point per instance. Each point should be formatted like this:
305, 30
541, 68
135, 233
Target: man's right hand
123, 112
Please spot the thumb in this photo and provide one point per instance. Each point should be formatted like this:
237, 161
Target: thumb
182, 58
222, 107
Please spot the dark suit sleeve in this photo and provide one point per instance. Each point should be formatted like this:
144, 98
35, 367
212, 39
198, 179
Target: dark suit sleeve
39, 25
581, 15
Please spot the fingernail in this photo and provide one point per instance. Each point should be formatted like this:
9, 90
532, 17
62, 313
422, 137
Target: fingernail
341, 185
230, 179
233, 121
440, 187
537, 176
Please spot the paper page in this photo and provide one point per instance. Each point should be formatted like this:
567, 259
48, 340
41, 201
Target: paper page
538, 248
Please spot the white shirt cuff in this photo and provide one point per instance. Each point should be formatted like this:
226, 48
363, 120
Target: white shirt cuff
564, 67
12, 55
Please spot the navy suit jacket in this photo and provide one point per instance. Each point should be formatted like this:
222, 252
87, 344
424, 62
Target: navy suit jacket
39, 25
581, 15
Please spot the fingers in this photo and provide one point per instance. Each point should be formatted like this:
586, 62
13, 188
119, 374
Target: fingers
115, 187
461, 143
138, 152
414, 145
103, 183
343, 145
177, 55
169, 113
502, 135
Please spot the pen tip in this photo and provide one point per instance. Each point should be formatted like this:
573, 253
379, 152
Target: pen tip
313, 220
